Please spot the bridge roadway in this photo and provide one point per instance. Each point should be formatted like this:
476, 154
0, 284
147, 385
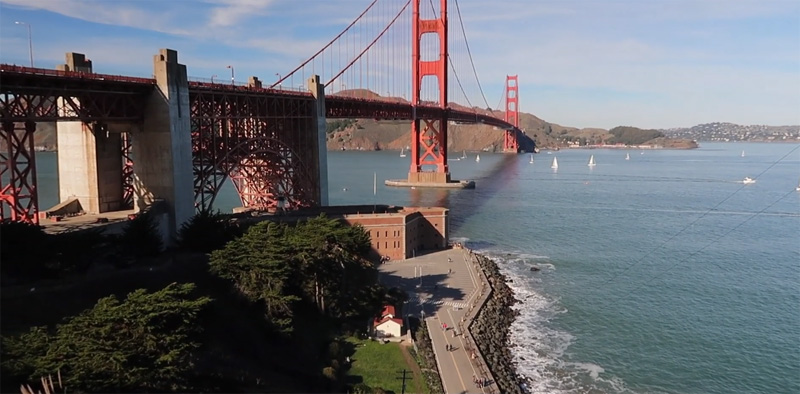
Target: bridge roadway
447, 292
47, 83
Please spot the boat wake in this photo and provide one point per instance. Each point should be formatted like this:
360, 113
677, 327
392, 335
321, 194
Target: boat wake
537, 346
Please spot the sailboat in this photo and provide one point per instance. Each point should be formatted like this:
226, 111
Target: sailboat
555, 163
478, 158
798, 187
463, 155
591, 161
402, 152
627, 156
742, 153
531, 159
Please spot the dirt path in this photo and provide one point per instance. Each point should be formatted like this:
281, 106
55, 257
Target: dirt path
418, 381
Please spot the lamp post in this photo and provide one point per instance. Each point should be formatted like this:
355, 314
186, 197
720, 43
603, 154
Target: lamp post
212, 78
30, 40
232, 77
279, 79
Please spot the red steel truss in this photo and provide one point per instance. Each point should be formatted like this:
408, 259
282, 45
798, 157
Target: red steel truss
127, 171
429, 144
258, 138
510, 143
18, 165
30, 95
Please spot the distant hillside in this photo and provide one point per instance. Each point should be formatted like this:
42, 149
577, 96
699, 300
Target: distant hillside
725, 132
368, 134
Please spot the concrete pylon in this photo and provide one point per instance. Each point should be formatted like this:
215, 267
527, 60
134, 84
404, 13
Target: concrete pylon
318, 91
89, 155
163, 146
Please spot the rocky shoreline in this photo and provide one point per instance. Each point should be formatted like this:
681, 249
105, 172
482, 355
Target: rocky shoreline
491, 329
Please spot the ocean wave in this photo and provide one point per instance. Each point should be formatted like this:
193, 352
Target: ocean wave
537, 347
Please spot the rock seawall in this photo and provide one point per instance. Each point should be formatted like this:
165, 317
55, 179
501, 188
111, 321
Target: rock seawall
491, 329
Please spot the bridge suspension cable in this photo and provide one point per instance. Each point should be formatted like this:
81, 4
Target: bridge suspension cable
385, 29
291, 73
469, 53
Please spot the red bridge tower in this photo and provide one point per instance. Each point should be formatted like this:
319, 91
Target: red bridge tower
511, 144
429, 143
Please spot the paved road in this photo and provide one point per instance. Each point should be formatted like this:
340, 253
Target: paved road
443, 292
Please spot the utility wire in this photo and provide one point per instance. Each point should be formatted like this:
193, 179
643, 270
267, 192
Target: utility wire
627, 268
707, 245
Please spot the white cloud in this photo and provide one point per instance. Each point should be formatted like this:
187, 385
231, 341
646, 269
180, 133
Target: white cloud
231, 12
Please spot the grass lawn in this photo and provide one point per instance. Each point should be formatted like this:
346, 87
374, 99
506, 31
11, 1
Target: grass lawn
382, 365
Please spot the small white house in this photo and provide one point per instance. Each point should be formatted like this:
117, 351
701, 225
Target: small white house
388, 325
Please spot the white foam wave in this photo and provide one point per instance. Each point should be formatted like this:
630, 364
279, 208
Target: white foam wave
537, 347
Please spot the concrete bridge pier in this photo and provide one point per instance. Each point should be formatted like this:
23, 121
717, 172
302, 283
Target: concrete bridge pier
89, 158
319, 128
163, 146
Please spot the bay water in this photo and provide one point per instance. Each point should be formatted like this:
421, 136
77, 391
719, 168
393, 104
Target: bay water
664, 273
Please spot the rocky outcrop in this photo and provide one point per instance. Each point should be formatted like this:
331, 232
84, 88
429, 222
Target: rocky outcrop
491, 329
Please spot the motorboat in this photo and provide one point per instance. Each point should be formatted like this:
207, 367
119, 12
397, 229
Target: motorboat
747, 180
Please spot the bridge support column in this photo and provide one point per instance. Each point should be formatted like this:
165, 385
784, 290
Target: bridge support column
163, 146
89, 156
318, 91
89, 166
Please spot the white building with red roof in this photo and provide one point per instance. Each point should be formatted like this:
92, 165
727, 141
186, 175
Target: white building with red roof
388, 325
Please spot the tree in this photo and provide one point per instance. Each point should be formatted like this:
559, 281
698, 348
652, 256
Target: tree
332, 264
141, 237
258, 263
145, 343
206, 232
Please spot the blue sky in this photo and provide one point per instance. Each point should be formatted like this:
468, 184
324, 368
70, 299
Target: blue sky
582, 63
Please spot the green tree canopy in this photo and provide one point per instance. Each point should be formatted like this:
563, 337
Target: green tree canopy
144, 343
632, 135
321, 261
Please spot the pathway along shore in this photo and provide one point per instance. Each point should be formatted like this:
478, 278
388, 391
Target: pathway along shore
491, 327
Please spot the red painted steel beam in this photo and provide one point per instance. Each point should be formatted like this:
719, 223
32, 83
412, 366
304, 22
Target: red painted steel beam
18, 166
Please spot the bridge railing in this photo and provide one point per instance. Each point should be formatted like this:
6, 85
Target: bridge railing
10, 68
225, 84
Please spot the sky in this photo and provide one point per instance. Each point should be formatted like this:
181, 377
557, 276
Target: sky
581, 63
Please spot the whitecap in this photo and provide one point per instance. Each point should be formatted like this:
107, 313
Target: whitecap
537, 347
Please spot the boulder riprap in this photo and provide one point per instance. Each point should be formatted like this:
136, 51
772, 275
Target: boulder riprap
491, 329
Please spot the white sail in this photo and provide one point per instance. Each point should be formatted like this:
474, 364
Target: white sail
531, 159
555, 163
591, 161
464, 154
402, 152
478, 158
742, 153
627, 156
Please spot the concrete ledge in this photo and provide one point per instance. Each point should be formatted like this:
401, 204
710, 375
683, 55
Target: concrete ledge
71, 207
454, 184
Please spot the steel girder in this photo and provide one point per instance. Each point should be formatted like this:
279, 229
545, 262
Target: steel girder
28, 94
265, 141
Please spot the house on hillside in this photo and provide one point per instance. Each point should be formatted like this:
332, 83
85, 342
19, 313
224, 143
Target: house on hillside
388, 325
